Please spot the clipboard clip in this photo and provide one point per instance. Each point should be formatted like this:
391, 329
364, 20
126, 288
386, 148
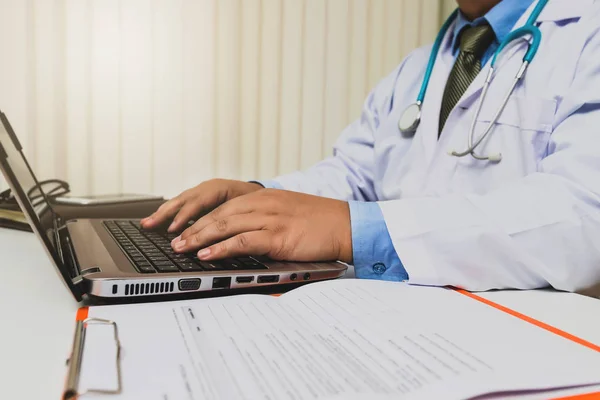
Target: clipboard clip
71, 391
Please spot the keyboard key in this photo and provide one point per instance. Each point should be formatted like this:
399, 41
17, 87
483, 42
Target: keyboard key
251, 263
166, 262
254, 265
156, 259
234, 264
166, 268
157, 256
146, 247
189, 266
208, 266
145, 269
213, 266
228, 263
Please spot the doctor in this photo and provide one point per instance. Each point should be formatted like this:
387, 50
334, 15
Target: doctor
421, 204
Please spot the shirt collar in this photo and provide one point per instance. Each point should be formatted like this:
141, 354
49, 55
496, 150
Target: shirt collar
502, 18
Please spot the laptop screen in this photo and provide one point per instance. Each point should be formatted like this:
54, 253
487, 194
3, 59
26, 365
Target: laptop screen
23, 176
28, 193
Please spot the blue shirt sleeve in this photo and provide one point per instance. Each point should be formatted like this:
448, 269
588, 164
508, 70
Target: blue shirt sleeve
372, 248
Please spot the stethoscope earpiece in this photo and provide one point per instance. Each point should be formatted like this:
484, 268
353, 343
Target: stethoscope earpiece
496, 158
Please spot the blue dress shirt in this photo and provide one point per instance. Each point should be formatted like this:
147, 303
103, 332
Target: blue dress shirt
372, 248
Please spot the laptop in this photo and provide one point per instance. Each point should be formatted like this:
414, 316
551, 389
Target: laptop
116, 259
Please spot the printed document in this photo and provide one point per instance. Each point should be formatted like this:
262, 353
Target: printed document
343, 339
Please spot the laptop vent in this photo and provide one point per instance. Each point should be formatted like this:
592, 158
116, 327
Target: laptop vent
136, 289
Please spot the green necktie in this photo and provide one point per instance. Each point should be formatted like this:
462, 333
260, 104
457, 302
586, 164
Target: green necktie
473, 43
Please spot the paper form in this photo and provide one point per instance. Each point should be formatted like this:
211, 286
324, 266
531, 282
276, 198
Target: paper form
333, 340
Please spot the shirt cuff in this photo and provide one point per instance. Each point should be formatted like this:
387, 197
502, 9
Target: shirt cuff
372, 247
269, 184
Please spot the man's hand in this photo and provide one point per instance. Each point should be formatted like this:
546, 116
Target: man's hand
196, 201
280, 224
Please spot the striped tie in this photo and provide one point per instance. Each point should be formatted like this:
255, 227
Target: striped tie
473, 43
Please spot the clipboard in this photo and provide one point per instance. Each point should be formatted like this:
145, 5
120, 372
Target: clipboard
83, 323
107, 318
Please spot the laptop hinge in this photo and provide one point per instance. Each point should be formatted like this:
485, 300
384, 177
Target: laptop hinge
68, 259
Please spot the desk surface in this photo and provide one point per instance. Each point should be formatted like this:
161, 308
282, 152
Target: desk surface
38, 318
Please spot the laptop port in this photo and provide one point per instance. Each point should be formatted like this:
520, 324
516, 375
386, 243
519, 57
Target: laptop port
268, 279
221, 283
307, 276
293, 277
189, 284
244, 279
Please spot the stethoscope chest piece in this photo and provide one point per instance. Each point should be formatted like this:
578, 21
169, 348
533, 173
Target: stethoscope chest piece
410, 119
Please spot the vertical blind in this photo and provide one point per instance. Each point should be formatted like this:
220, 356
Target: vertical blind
154, 96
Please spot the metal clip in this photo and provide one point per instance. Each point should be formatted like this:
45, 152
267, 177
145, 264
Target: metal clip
72, 387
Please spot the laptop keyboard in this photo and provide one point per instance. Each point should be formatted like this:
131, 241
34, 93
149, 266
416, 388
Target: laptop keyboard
151, 252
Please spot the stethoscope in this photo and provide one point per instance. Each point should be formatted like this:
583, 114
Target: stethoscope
411, 117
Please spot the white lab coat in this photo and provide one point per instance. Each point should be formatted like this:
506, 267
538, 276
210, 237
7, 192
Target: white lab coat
532, 220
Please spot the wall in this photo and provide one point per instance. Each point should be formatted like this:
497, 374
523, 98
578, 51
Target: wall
157, 95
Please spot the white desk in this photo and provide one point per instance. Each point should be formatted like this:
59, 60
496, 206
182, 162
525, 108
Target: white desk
38, 315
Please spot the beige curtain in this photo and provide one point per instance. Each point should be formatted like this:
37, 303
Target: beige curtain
154, 96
